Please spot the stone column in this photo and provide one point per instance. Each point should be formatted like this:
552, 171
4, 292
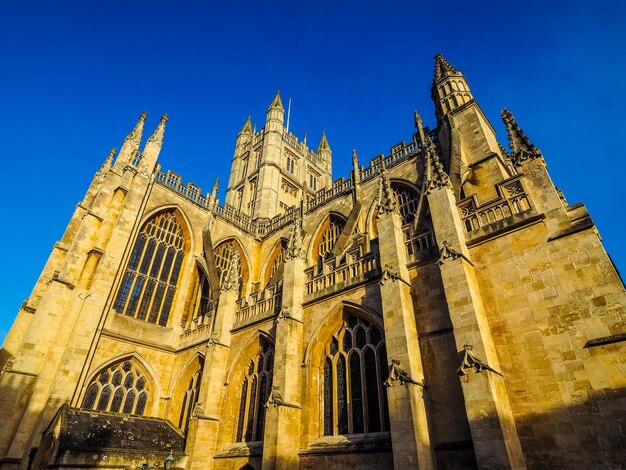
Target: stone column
496, 442
205, 422
410, 436
281, 440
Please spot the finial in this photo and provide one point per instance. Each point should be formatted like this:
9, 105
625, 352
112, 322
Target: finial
355, 159
386, 197
107, 162
323, 145
215, 186
419, 125
135, 134
157, 136
521, 147
277, 102
443, 68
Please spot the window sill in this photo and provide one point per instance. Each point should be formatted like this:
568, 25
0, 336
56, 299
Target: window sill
241, 449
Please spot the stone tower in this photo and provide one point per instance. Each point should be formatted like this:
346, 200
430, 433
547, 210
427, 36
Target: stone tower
442, 307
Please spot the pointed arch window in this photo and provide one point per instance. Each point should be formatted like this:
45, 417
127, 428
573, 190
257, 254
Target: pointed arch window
330, 231
408, 200
121, 388
353, 372
255, 390
149, 283
190, 397
274, 271
203, 304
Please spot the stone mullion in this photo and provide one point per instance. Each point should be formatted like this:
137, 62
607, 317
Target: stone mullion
410, 434
495, 446
364, 385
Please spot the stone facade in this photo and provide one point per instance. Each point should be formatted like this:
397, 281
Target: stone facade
444, 307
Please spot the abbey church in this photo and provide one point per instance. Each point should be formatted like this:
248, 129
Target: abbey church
443, 306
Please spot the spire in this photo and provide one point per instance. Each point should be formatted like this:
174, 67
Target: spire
136, 133
443, 68
386, 198
215, 186
521, 148
355, 160
247, 127
323, 143
277, 102
157, 136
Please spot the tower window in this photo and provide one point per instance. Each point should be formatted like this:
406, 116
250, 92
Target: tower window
255, 389
120, 388
149, 283
353, 372
290, 165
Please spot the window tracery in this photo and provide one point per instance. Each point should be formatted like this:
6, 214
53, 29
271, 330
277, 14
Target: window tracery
119, 388
331, 229
408, 201
149, 283
273, 272
255, 391
203, 305
353, 372
223, 255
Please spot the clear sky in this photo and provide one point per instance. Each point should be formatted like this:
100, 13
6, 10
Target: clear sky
76, 75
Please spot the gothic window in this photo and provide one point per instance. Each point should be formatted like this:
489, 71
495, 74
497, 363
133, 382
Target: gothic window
407, 199
203, 304
223, 255
119, 388
149, 283
274, 271
290, 165
190, 397
255, 390
330, 231
353, 372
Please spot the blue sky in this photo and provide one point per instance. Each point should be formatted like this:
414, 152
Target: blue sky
76, 75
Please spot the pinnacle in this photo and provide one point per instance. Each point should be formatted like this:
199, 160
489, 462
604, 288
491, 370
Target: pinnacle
135, 134
324, 145
277, 102
443, 68
247, 127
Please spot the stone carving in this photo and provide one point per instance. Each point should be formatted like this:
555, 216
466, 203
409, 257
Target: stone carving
276, 399
470, 362
157, 137
436, 177
231, 278
447, 252
389, 275
398, 374
521, 148
135, 134
283, 315
386, 198
294, 247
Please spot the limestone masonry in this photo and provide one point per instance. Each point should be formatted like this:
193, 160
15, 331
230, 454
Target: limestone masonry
442, 307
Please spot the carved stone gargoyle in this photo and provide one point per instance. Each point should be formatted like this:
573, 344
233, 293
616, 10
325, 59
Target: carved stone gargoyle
276, 399
395, 374
470, 362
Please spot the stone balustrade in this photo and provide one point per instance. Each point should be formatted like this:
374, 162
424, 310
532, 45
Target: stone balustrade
513, 200
353, 271
259, 306
420, 246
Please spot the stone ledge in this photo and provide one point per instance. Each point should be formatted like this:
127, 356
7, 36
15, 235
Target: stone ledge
241, 449
576, 227
354, 443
